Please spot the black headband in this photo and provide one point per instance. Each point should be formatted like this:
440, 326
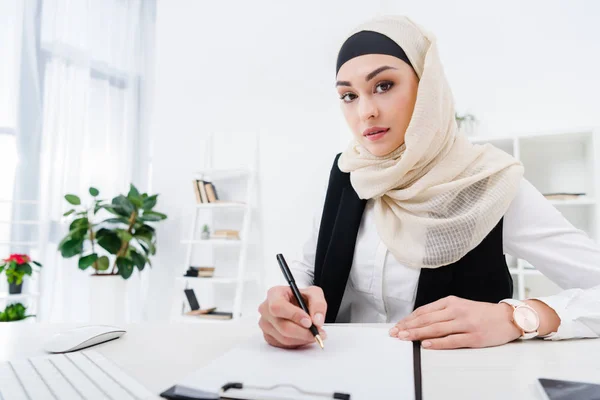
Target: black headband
369, 42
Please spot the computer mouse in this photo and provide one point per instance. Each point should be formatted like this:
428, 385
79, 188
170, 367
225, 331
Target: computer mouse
82, 337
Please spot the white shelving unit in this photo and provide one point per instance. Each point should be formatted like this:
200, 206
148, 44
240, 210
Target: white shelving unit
235, 278
31, 286
565, 161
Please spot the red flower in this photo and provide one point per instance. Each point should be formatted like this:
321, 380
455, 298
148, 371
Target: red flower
18, 258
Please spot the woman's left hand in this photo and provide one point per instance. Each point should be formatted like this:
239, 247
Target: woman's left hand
452, 323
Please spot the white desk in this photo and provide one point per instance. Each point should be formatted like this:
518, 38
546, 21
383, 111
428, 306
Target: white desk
159, 355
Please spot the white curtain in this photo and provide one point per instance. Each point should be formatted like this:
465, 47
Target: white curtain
11, 19
93, 57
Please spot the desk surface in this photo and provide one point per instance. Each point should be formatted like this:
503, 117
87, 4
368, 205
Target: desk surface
159, 355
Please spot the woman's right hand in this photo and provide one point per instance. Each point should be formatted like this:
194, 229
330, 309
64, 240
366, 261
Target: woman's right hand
284, 323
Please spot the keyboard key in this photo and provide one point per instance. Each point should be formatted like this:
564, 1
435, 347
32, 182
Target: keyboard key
80, 382
32, 382
10, 387
105, 382
59, 386
126, 381
73, 376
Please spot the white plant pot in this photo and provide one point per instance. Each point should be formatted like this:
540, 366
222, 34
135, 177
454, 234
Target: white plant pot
108, 300
22, 321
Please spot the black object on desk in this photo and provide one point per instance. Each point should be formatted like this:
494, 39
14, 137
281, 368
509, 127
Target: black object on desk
179, 392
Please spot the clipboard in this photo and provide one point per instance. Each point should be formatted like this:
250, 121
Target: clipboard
240, 391
357, 363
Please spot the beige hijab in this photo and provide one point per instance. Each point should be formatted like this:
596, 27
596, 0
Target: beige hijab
437, 196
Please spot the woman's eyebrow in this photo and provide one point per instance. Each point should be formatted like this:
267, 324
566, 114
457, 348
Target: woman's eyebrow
369, 76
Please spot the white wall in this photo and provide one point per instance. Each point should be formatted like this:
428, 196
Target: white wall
269, 67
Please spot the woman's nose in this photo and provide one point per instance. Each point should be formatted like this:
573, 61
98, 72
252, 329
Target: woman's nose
367, 109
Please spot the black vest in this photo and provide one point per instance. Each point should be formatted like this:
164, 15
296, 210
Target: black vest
481, 275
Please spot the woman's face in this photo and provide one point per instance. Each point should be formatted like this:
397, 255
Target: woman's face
377, 94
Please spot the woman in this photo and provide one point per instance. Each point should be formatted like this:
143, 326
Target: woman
416, 220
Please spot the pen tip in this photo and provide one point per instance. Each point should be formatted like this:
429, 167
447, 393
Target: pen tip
320, 341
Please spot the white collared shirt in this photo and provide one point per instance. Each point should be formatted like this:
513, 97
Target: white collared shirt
380, 289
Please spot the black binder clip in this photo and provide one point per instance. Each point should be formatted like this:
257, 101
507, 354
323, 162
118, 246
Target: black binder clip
230, 388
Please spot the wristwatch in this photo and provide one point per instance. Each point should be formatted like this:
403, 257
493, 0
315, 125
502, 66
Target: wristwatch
524, 317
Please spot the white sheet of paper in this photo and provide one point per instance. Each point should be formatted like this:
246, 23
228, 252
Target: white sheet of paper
361, 361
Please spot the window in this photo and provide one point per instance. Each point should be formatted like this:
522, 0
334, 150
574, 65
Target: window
8, 159
11, 17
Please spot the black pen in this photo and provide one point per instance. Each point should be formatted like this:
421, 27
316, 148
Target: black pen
290, 278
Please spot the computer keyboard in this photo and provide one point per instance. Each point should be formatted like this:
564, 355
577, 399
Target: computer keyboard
78, 375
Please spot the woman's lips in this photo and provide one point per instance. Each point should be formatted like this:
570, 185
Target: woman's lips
376, 136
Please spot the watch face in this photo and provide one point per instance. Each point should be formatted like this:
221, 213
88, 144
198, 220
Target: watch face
527, 319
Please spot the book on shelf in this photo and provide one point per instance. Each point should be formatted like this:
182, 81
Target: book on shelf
207, 312
200, 191
211, 192
197, 191
563, 196
228, 234
200, 272
205, 191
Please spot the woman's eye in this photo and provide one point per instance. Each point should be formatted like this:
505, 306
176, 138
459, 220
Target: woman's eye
385, 86
347, 97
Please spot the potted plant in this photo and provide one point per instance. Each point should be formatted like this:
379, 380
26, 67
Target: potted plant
113, 246
16, 267
14, 312
205, 232
466, 123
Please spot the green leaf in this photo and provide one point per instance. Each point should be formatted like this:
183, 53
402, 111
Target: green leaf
122, 220
14, 312
68, 213
147, 236
161, 215
125, 267
26, 269
144, 247
125, 204
71, 198
86, 261
109, 240
133, 192
79, 234
124, 235
138, 260
97, 208
116, 210
62, 242
152, 216
134, 197
71, 247
138, 203
144, 237
143, 228
148, 247
149, 202
94, 192
79, 223
36, 263
102, 263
